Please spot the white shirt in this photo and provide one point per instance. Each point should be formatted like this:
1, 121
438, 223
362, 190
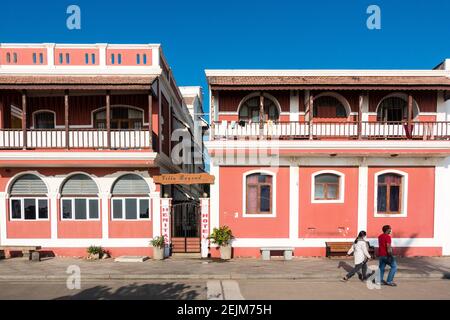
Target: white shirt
360, 251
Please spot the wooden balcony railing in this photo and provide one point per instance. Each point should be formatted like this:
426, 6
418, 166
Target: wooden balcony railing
230, 130
77, 139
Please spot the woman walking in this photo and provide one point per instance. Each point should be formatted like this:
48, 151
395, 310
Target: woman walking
361, 253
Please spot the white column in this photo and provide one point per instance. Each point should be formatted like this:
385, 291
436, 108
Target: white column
102, 55
365, 108
442, 205
443, 108
305, 103
362, 195
3, 217
54, 198
294, 106
215, 195
50, 54
156, 213
105, 198
204, 223
294, 201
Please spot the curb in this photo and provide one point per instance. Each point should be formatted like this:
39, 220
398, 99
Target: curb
110, 277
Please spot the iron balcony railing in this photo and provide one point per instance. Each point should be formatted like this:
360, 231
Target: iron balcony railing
76, 139
234, 130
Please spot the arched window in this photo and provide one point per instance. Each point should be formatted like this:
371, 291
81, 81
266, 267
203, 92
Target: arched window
389, 193
329, 107
327, 186
79, 199
28, 198
259, 194
393, 109
249, 110
44, 120
121, 118
130, 198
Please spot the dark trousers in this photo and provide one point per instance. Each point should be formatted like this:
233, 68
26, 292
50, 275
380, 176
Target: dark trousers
357, 269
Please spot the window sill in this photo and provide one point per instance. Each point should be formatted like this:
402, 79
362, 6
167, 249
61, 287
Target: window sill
328, 201
391, 215
272, 215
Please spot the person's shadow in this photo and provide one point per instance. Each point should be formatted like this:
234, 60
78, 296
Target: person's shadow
345, 266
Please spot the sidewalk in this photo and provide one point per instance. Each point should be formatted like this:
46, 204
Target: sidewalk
19, 269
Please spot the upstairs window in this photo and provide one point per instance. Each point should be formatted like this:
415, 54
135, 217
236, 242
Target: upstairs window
8, 57
138, 59
329, 107
15, 57
259, 192
121, 118
68, 58
41, 58
119, 58
249, 110
34, 58
44, 120
86, 58
145, 58
112, 58
93, 58
392, 109
61, 61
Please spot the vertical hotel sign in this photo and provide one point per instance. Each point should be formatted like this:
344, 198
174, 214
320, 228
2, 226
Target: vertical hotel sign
165, 222
204, 213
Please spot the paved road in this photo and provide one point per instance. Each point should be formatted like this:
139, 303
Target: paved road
226, 289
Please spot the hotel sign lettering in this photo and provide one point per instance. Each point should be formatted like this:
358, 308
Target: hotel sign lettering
184, 178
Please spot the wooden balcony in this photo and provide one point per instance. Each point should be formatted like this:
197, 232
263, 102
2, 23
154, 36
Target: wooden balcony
11, 139
233, 130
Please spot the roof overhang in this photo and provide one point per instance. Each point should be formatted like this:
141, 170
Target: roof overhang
85, 82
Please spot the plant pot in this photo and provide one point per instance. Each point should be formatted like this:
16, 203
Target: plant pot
158, 253
94, 256
225, 252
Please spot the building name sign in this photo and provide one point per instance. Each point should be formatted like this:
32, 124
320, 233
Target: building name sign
184, 178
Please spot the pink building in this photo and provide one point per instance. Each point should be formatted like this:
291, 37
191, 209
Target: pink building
302, 157
83, 131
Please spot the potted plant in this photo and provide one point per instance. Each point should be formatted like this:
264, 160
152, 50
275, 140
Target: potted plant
222, 236
94, 252
158, 244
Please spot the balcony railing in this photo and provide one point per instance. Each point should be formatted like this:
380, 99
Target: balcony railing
231, 130
76, 139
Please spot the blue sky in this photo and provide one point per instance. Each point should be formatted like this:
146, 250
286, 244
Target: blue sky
273, 34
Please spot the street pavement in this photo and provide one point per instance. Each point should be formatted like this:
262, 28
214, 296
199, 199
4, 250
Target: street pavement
225, 290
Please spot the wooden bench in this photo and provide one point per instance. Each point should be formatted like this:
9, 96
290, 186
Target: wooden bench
287, 252
340, 249
27, 251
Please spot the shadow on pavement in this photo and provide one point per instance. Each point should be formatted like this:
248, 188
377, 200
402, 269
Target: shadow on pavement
149, 291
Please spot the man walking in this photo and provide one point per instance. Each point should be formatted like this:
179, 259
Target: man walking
386, 256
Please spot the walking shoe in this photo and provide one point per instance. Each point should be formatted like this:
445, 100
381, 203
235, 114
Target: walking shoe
391, 284
344, 279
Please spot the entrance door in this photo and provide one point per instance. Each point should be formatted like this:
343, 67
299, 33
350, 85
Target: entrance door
186, 227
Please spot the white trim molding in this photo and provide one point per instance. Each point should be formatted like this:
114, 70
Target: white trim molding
274, 194
341, 186
294, 206
404, 194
